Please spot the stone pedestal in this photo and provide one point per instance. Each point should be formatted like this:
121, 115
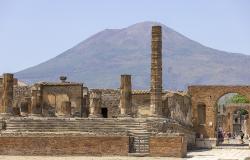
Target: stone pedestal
7, 96
156, 73
208, 143
36, 100
95, 104
126, 96
65, 110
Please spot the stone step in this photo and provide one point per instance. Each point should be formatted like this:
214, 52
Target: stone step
74, 120
68, 127
232, 147
135, 128
82, 125
138, 154
128, 124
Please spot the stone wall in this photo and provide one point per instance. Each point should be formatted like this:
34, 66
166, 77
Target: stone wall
15, 81
19, 95
170, 126
168, 146
54, 94
141, 103
110, 100
64, 144
177, 106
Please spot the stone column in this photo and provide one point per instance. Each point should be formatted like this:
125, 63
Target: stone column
36, 100
7, 96
125, 96
156, 72
95, 104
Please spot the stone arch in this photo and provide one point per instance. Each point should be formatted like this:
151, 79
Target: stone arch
209, 94
229, 91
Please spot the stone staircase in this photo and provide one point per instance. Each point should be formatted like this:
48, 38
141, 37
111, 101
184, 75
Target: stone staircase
132, 127
139, 141
98, 125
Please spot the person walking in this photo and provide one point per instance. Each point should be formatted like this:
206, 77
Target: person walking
241, 137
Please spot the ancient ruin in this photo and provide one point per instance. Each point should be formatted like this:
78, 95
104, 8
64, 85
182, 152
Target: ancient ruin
156, 72
67, 118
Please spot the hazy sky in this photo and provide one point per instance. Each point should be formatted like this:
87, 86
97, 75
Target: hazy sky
32, 31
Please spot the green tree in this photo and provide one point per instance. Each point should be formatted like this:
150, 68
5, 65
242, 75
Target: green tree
239, 99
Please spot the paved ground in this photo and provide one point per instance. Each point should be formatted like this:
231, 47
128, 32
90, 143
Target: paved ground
215, 154
219, 154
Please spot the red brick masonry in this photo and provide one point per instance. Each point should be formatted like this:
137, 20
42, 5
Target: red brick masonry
64, 145
168, 146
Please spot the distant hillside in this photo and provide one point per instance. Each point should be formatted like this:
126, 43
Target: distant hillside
100, 60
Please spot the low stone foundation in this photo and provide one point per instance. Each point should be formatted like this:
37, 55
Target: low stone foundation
168, 146
63, 144
206, 143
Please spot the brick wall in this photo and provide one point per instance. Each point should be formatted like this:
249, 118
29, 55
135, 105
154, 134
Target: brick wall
168, 146
209, 95
64, 145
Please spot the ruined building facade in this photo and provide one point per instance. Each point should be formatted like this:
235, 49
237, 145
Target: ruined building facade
67, 118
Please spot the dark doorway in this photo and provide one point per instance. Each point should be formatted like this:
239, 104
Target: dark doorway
105, 112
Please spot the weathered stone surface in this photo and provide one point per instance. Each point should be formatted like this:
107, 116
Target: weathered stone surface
7, 94
95, 104
125, 95
178, 106
36, 100
156, 72
54, 94
65, 110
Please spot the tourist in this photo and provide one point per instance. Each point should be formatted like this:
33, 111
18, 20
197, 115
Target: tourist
241, 136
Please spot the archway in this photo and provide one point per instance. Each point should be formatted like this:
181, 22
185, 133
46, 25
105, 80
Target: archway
232, 119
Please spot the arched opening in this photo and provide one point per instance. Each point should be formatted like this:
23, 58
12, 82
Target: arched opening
201, 108
232, 119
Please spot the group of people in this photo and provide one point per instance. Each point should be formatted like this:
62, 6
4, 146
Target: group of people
222, 134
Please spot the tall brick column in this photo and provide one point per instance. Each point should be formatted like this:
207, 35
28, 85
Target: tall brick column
95, 104
36, 100
156, 72
126, 96
7, 96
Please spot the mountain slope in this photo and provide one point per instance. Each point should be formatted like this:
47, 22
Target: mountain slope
100, 60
